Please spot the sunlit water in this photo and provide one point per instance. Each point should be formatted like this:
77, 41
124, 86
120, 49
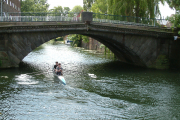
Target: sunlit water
97, 88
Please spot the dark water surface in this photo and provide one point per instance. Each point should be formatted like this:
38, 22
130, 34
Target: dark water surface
119, 91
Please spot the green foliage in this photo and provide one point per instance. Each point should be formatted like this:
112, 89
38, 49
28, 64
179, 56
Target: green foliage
175, 4
59, 39
76, 10
162, 62
100, 6
138, 8
87, 4
59, 11
175, 19
102, 46
85, 38
66, 10
34, 6
76, 40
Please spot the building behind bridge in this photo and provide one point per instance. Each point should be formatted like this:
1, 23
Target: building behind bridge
10, 6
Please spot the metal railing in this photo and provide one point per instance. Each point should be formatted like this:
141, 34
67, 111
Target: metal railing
128, 20
71, 17
38, 18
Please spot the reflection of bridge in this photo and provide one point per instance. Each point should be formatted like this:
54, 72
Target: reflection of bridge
133, 44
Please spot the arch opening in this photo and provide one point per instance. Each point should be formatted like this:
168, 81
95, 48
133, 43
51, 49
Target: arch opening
21, 44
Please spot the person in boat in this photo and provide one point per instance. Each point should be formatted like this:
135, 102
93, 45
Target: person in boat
59, 69
55, 65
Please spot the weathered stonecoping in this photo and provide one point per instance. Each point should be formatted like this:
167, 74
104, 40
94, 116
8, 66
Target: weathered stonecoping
50, 26
11, 24
35, 23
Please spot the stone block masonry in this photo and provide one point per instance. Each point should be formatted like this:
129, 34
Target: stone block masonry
127, 44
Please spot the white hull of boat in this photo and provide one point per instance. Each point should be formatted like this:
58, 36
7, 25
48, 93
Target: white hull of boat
60, 78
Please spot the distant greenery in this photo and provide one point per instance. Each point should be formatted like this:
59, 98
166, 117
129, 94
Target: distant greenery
34, 6
85, 39
137, 8
76, 38
175, 19
87, 4
60, 11
75, 11
175, 4
59, 39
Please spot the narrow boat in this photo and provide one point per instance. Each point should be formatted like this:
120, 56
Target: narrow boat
61, 78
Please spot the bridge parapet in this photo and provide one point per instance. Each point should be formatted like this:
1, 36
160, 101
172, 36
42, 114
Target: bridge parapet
86, 16
10, 27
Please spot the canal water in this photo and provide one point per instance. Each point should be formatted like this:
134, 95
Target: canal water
97, 88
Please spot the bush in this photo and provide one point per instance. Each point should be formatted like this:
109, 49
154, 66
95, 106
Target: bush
175, 19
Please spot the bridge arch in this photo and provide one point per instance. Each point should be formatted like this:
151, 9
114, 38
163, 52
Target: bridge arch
20, 45
134, 47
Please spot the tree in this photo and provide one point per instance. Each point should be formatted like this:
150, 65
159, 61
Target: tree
75, 11
85, 38
76, 40
59, 10
100, 6
66, 10
175, 19
34, 6
87, 4
137, 8
174, 4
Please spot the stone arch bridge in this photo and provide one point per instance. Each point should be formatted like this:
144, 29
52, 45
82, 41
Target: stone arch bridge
137, 45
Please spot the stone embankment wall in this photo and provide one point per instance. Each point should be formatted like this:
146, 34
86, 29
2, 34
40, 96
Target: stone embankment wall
175, 54
5, 61
170, 60
94, 45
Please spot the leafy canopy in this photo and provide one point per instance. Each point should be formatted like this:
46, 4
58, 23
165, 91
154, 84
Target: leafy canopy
175, 19
59, 11
34, 6
138, 8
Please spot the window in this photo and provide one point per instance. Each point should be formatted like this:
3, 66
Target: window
7, 1
10, 3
